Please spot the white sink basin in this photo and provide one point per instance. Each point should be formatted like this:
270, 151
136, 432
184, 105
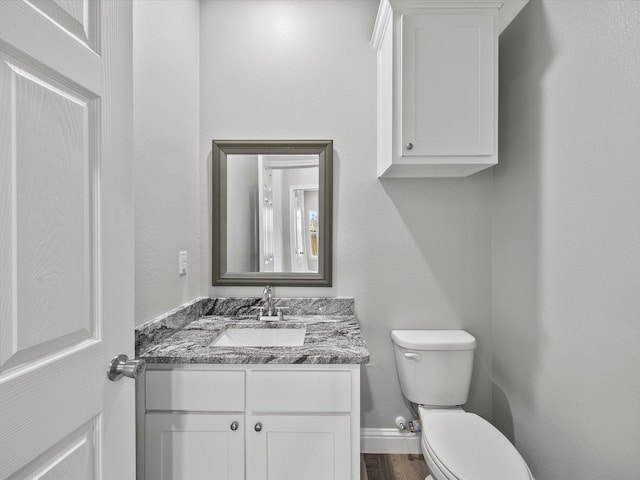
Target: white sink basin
260, 337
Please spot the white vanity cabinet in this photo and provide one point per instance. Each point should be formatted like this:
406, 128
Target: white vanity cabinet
273, 422
438, 85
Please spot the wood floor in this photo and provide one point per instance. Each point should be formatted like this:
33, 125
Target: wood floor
393, 467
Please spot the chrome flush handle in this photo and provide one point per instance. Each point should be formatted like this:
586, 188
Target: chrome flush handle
416, 357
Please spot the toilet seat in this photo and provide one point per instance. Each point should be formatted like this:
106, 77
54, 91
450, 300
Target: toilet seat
464, 446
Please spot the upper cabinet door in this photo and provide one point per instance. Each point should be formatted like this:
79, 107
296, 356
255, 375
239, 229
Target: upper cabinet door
448, 80
438, 85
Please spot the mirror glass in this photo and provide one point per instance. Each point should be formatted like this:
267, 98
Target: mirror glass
272, 212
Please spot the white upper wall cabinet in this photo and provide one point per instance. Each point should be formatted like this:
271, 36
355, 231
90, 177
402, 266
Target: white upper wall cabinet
438, 85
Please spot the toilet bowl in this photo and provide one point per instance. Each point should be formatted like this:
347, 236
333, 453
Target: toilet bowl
434, 368
458, 445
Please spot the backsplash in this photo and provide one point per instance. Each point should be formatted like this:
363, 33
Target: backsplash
235, 307
167, 324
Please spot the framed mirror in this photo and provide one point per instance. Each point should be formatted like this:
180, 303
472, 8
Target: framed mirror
272, 212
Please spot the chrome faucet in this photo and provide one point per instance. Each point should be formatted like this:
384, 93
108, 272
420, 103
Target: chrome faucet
267, 296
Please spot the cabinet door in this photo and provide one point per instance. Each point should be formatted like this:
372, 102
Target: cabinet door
298, 447
449, 64
192, 446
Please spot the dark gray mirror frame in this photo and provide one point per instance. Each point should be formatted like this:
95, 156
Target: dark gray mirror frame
220, 150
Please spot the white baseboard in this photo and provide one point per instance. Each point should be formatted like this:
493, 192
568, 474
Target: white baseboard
388, 440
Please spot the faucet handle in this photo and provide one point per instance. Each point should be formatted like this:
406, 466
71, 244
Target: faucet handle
260, 309
280, 314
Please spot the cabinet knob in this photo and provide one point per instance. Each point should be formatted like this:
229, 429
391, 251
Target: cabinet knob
258, 427
234, 426
409, 146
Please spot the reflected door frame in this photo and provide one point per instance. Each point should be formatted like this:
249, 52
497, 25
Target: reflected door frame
299, 256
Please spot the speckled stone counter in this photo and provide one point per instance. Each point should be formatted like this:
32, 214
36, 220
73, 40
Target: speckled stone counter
184, 336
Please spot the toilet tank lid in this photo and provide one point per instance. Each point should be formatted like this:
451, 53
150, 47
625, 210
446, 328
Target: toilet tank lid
434, 339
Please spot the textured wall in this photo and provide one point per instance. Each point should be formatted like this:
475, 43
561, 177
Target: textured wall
166, 167
414, 253
566, 248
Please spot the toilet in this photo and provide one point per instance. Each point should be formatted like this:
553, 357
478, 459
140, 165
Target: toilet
434, 368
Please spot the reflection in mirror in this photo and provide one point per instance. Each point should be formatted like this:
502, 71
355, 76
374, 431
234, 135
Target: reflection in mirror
272, 212
275, 199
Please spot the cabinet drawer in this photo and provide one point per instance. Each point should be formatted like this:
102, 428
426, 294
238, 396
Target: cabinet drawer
195, 390
296, 391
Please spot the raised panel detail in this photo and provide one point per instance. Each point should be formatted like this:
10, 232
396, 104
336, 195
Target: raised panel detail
78, 18
448, 90
292, 447
194, 446
73, 457
47, 215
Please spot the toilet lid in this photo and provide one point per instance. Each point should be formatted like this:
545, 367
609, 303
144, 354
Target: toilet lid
468, 447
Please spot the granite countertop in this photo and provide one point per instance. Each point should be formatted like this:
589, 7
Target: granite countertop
333, 337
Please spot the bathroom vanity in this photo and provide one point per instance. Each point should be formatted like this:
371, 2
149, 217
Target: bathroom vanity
246, 411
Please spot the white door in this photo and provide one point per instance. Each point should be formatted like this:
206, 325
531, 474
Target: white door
66, 234
448, 85
298, 447
194, 446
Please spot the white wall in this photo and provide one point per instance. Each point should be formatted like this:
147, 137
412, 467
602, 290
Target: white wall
166, 168
413, 253
566, 249
242, 212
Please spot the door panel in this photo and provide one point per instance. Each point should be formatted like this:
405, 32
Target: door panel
194, 446
73, 457
295, 447
50, 230
66, 263
78, 18
448, 90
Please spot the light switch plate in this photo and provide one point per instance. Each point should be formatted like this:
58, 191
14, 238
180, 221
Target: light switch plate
182, 263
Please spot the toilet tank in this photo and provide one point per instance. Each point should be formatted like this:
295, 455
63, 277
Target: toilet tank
434, 366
